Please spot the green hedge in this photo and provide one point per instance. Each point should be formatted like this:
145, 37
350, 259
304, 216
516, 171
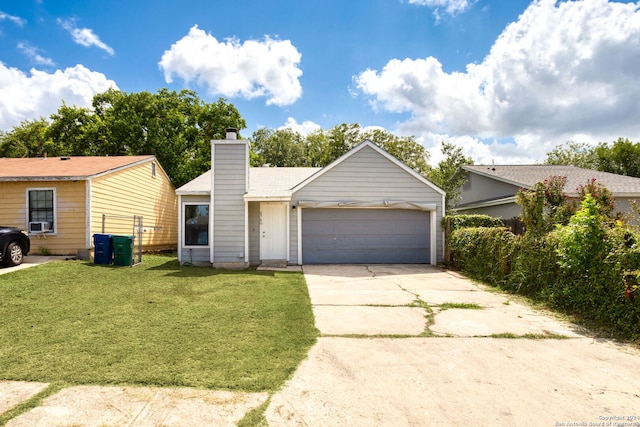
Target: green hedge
537, 266
483, 252
464, 221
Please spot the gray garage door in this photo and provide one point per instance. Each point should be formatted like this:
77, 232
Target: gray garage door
365, 236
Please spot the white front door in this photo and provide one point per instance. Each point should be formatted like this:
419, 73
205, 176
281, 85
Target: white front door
273, 230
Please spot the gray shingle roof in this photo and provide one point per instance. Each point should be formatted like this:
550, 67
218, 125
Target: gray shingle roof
263, 182
273, 182
527, 175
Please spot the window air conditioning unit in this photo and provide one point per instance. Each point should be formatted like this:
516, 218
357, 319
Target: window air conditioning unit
38, 227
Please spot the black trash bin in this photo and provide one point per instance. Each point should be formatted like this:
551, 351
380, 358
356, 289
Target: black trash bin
103, 249
123, 250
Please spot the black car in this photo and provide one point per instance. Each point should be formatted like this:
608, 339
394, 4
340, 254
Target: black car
14, 245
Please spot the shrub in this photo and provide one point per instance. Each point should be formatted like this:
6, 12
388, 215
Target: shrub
463, 221
589, 267
545, 205
535, 265
582, 244
483, 252
600, 193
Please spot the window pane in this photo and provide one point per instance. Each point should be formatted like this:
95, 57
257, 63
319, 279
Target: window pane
41, 207
196, 225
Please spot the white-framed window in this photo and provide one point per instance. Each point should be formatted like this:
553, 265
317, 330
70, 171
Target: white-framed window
196, 224
153, 169
41, 210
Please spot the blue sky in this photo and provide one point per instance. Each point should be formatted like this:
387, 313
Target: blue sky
505, 79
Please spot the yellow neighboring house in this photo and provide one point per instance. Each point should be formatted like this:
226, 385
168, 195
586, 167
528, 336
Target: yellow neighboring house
63, 201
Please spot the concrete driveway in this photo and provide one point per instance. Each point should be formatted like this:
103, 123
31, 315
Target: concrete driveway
418, 346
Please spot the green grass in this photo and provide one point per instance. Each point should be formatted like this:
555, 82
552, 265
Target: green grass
156, 324
546, 335
460, 305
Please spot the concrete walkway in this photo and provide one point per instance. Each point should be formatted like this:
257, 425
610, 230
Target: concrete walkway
30, 261
400, 346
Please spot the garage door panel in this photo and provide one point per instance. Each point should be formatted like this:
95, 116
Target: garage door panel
378, 236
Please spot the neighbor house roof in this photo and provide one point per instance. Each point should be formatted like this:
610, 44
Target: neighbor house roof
64, 168
264, 182
527, 176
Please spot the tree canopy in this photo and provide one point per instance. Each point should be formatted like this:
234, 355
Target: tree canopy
176, 127
448, 174
286, 147
621, 157
572, 153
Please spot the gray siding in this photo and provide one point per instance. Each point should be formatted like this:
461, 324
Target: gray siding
623, 205
481, 188
229, 186
367, 176
194, 255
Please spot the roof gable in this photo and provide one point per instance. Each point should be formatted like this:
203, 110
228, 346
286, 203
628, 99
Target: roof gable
284, 181
527, 176
65, 168
380, 151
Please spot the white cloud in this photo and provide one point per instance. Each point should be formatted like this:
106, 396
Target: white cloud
267, 68
34, 54
486, 151
451, 7
39, 94
84, 36
15, 19
304, 128
563, 71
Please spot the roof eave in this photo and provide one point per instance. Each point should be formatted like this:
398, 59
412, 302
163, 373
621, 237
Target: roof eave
43, 178
265, 198
193, 193
487, 203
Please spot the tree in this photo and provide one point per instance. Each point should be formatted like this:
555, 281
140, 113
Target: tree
572, 153
29, 139
622, 157
314, 145
74, 131
176, 127
285, 147
281, 148
449, 175
410, 152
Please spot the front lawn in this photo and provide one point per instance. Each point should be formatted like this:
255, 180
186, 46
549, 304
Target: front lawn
156, 324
